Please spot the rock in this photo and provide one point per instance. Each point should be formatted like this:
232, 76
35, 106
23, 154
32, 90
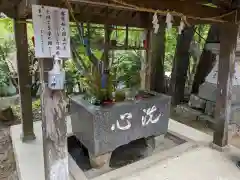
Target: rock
210, 108
13, 176
7, 115
100, 161
6, 102
186, 112
236, 116
196, 102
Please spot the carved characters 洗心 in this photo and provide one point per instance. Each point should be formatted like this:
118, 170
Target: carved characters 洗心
150, 116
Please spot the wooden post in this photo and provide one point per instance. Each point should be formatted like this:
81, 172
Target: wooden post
146, 63
126, 37
180, 65
228, 40
157, 54
54, 129
106, 45
24, 80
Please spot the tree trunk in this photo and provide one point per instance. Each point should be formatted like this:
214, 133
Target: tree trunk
206, 61
157, 57
180, 65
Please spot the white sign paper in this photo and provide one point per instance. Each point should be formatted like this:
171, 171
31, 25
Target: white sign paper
51, 31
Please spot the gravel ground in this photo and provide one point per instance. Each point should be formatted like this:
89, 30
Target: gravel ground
7, 161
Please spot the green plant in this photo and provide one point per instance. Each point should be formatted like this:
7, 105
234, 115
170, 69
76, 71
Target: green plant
36, 104
127, 68
5, 74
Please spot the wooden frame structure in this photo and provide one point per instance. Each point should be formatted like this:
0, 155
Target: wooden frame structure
137, 13
113, 11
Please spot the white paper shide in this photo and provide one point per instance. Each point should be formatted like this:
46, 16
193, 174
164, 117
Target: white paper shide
51, 31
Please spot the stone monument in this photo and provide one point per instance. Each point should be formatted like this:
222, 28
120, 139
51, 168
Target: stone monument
208, 90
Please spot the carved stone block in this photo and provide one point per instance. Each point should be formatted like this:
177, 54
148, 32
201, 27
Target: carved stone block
101, 129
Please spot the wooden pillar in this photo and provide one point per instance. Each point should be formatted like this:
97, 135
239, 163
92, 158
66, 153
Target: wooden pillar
146, 63
24, 80
107, 33
54, 129
228, 40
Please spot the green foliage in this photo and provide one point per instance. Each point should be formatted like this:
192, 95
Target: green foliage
5, 49
170, 46
36, 104
127, 68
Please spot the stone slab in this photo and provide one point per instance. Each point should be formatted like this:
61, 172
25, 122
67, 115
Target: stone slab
208, 91
196, 102
6, 102
202, 163
186, 112
29, 156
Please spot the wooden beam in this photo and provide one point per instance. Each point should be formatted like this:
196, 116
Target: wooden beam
123, 18
178, 6
224, 4
24, 80
228, 41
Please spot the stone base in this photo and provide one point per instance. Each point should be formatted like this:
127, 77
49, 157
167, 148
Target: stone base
29, 137
208, 91
151, 144
219, 148
210, 108
98, 162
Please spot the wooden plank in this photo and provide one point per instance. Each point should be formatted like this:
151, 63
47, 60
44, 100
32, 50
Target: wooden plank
24, 80
228, 40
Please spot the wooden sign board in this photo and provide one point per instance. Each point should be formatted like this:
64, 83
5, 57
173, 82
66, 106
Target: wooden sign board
51, 31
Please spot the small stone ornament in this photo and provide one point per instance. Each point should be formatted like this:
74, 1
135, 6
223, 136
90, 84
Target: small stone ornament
56, 77
169, 20
181, 26
155, 23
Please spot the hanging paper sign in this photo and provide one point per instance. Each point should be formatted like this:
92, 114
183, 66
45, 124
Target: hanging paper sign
51, 31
